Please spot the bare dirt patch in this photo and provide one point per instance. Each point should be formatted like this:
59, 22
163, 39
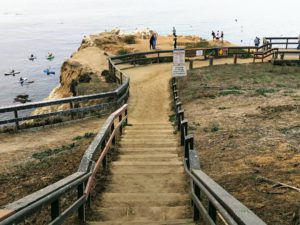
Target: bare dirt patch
246, 123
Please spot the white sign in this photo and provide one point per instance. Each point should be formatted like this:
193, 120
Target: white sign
179, 71
199, 53
178, 57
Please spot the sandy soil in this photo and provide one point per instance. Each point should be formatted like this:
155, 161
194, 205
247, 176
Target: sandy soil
149, 93
17, 148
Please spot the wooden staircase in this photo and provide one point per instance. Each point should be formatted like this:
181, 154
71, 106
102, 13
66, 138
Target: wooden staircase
147, 183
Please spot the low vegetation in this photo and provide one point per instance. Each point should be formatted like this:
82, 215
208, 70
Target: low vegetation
245, 120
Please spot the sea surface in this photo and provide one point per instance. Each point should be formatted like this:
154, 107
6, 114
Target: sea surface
58, 26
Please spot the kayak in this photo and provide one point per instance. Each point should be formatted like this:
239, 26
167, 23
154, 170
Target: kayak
12, 73
49, 72
32, 58
50, 57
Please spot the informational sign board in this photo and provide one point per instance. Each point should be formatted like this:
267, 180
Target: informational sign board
178, 57
223, 52
179, 69
199, 53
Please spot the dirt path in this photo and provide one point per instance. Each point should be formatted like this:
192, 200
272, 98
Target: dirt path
17, 148
149, 100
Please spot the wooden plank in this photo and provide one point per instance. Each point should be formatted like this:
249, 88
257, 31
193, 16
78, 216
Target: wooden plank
240, 212
22, 203
4, 213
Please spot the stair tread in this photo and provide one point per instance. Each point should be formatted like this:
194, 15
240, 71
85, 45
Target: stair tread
145, 222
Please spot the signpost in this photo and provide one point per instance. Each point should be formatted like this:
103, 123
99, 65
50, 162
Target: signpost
223, 52
179, 69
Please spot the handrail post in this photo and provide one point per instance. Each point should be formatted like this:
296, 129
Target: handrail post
188, 145
196, 210
120, 120
183, 131
71, 107
211, 60
104, 161
81, 209
126, 115
180, 117
121, 78
112, 128
16, 117
55, 209
212, 211
191, 65
158, 61
235, 59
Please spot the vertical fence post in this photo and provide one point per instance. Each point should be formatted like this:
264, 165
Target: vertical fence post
121, 128
16, 117
71, 107
191, 64
180, 117
158, 57
212, 211
188, 145
104, 161
55, 209
183, 131
211, 60
126, 115
287, 43
196, 210
121, 78
235, 59
112, 128
81, 209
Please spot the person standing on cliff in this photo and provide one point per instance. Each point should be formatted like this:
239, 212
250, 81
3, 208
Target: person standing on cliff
154, 41
151, 41
174, 32
222, 36
213, 34
175, 42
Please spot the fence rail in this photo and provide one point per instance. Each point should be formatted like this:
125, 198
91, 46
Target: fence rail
220, 204
113, 96
282, 41
83, 180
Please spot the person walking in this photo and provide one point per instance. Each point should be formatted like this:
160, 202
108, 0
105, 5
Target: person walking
213, 34
256, 42
175, 42
151, 41
174, 31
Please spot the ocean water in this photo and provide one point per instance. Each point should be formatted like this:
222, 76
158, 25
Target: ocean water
39, 27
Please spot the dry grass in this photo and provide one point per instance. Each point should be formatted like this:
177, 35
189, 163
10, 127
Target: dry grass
246, 121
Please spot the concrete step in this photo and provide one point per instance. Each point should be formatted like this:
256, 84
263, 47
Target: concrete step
148, 131
148, 141
143, 199
146, 222
151, 150
121, 169
150, 136
148, 145
148, 183
149, 157
147, 163
143, 213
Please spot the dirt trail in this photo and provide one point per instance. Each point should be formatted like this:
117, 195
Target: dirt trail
149, 100
18, 147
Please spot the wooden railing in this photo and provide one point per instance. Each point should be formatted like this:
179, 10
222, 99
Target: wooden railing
221, 206
283, 42
114, 99
83, 180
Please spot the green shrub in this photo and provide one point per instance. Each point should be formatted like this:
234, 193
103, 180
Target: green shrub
130, 39
123, 51
264, 91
